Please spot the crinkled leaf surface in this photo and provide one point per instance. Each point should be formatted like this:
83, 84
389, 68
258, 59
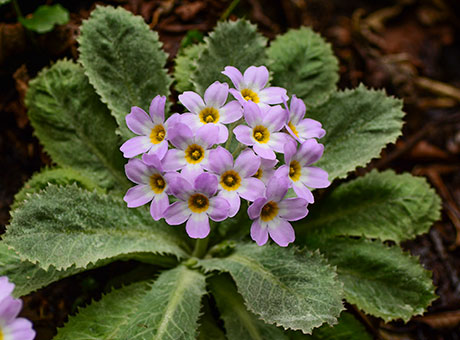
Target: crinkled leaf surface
304, 64
381, 280
359, 123
233, 43
239, 322
296, 290
45, 18
123, 60
75, 128
167, 310
65, 226
348, 328
186, 64
382, 205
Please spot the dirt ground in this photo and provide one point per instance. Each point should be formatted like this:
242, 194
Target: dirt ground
409, 47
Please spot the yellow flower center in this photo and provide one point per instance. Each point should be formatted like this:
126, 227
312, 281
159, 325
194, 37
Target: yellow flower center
250, 95
209, 115
157, 183
1, 335
269, 211
261, 134
198, 203
294, 170
259, 173
194, 154
292, 127
157, 135
230, 180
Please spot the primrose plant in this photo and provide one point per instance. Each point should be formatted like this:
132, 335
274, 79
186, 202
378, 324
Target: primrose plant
261, 254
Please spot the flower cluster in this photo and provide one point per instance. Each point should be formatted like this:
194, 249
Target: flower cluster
188, 157
12, 327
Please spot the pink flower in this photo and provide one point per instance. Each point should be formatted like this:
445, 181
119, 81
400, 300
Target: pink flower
299, 128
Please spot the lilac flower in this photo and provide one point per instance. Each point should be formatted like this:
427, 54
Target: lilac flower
152, 130
196, 204
251, 86
192, 149
235, 180
12, 327
262, 132
299, 128
212, 111
272, 213
266, 170
298, 170
152, 184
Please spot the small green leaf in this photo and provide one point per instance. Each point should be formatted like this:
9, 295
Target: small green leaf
304, 64
232, 43
45, 18
382, 281
359, 123
167, 310
379, 205
59, 176
185, 67
123, 60
239, 322
75, 128
296, 290
348, 328
65, 226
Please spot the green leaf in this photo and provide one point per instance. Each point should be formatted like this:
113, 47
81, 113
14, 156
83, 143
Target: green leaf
348, 328
239, 322
4, 2
296, 290
65, 226
167, 310
75, 128
123, 60
382, 281
209, 328
358, 124
233, 43
185, 67
304, 64
45, 18
59, 176
379, 205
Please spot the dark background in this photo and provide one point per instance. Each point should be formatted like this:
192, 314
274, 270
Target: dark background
409, 47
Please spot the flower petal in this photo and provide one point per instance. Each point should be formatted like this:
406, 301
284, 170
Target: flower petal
157, 109
216, 94
277, 188
247, 163
138, 172
281, 232
264, 151
159, 150
243, 134
272, 95
171, 121
198, 226
289, 150
206, 183
256, 207
181, 136
310, 128
139, 122
220, 160
255, 77
309, 152
192, 101
234, 74
233, 200
315, 177
9, 309
207, 135
138, 195
218, 208
177, 213
174, 160
252, 114
297, 110
237, 95
135, 146
158, 206
303, 192
251, 189
181, 188
222, 134
259, 234
231, 112
275, 118
20, 328
293, 209
278, 140
6, 287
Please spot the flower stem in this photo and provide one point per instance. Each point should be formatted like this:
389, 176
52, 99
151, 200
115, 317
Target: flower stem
201, 246
17, 9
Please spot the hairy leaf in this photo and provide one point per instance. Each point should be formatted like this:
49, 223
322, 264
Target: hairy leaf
45, 18
65, 226
358, 124
209, 327
123, 60
380, 280
296, 290
239, 322
379, 205
348, 328
59, 176
167, 310
185, 67
233, 43
75, 128
304, 64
